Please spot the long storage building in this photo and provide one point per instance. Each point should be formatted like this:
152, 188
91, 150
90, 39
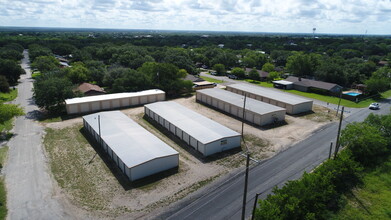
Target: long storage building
136, 152
256, 112
113, 101
292, 103
203, 134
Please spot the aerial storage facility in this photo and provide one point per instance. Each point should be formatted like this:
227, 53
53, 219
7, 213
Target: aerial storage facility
136, 152
257, 112
203, 134
113, 101
292, 103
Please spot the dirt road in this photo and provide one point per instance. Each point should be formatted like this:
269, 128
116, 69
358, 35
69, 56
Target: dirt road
30, 190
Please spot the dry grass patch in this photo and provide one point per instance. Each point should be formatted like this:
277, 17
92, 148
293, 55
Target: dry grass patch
94, 183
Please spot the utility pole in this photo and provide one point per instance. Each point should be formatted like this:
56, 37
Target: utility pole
339, 102
245, 186
244, 114
339, 131
100, 137
331, 148
255, 205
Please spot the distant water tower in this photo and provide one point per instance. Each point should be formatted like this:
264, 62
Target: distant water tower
313, 32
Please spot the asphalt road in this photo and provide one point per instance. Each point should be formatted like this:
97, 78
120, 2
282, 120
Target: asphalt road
30, 193
225, 201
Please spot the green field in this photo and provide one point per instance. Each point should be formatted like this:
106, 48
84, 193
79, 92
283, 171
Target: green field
6, 97
325, 98
260, 83
335, 100
209, 79
373, 199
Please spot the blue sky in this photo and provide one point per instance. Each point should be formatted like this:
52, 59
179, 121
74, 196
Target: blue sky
300, 16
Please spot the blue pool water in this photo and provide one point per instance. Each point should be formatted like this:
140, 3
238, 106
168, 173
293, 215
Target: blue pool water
353, 93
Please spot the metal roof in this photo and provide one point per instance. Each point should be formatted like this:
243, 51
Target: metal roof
113, 96
269, 93
283, 82
196, 125
312, 83
252, 105
128, 140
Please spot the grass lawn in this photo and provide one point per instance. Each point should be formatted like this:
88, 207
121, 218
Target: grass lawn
325, 98
335, 100
3, 193
263, 84
6, 126
211, 79
6, 97
373, 199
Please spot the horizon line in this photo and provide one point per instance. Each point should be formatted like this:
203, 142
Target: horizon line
190, 31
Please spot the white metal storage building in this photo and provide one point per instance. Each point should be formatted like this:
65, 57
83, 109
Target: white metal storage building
198, 131
136, 152
257, 112
292, 103
113, 101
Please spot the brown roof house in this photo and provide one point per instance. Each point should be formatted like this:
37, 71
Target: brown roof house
308, 85
262, 74
89, 89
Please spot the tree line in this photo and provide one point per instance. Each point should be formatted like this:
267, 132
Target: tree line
115, 60
318, 195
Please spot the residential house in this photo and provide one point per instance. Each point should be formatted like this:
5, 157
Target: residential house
89, 89
262, 74
308, 85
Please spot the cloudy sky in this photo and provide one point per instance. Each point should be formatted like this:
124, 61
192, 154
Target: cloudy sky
300, 16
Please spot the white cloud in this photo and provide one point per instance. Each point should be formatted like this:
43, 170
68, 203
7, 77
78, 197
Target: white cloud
329, 16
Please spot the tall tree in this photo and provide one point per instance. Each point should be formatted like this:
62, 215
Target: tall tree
50, 92
301, 64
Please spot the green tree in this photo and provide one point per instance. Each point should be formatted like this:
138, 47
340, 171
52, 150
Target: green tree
36, 50
280, 57
45, 63
11, 70
180, 58
268, 67
365, 142
78, 73
165, 76
219, 68
8, 111
10, 54
97, 71
132, 81
239, 72
376, 85
273, 76
4, 86
50, 92
113, 73
253, 74
382, 123
301, 64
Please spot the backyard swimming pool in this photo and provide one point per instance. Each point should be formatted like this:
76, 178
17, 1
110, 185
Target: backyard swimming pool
352, 93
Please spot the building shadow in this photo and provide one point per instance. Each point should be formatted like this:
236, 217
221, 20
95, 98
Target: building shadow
117, 172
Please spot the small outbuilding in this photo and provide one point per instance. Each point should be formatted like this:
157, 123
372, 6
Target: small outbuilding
113, 101
293, 104
89, 89
136, 152
283, 84
203, 134
256, 112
